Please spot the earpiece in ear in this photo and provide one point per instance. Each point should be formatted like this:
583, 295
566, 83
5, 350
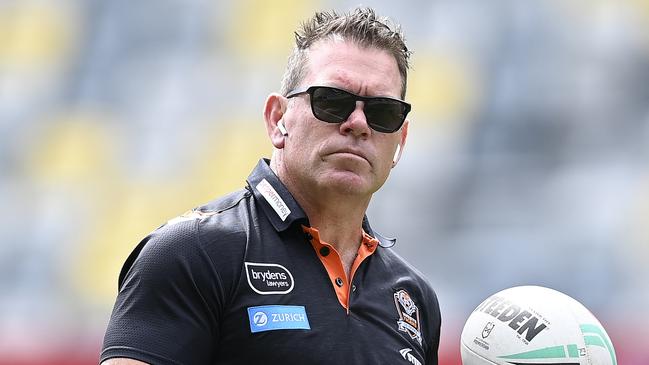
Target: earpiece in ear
280, 126
396, 155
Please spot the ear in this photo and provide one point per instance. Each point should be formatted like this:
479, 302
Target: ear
402, 142
274, 110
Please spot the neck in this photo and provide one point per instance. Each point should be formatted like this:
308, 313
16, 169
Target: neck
339, 223
337, 216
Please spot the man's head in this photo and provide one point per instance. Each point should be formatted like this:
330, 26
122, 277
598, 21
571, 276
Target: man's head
338, 127
362, 27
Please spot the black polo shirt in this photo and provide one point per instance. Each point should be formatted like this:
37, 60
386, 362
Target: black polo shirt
246, 280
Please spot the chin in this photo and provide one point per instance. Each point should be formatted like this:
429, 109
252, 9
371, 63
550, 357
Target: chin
349, 183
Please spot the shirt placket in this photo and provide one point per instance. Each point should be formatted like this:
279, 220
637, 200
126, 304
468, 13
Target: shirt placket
330, 258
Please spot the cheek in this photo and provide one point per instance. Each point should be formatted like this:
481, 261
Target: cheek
386, 166
383, 163
387, 150
310, 136
304, 142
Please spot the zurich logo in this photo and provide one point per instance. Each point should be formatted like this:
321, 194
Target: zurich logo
260, 318
277, 317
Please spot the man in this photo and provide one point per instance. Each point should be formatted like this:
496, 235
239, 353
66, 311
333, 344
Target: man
288, 270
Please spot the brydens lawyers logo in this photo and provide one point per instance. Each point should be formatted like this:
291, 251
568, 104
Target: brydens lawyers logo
269, 278
408, 321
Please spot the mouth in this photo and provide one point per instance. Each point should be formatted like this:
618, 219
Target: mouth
350, 153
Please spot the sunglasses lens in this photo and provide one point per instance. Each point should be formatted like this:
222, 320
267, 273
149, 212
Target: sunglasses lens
385, 115
332, 105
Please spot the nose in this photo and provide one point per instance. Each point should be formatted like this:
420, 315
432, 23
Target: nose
356, 123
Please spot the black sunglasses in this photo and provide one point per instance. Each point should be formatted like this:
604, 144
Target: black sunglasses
333, 105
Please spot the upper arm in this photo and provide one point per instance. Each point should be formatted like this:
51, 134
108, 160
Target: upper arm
168, 306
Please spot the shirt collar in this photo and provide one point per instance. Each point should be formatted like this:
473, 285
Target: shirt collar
383, 241
276, 201
281, 208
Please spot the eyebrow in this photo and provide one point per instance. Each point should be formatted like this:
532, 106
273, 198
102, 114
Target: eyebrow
343, 84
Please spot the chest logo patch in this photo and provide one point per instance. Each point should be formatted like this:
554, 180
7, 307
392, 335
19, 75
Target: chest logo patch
278, 317
268, 279
408, 321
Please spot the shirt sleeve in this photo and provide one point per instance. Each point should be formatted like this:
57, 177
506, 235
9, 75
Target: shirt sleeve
434, 324
169, 302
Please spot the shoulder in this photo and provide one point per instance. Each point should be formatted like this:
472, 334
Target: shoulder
218, 221
225, 220
403, 267
196, 236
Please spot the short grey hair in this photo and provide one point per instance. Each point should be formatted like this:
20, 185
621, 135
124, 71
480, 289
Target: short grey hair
361, 26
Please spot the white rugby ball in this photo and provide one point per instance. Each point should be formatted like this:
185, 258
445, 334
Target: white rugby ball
534, 325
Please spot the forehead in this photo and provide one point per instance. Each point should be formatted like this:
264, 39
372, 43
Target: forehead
363, 70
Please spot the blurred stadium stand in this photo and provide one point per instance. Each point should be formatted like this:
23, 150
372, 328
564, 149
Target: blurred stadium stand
527, 163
